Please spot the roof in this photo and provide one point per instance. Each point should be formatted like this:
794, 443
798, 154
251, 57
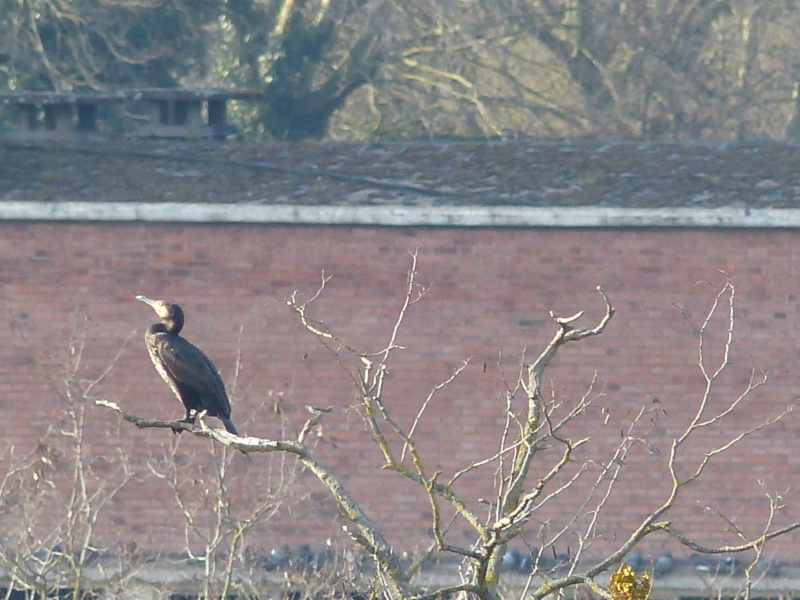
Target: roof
743, 177
132, 94
44, 98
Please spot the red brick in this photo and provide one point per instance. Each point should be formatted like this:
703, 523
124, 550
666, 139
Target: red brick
489, 288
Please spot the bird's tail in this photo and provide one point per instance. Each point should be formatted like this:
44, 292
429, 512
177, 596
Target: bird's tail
229, 426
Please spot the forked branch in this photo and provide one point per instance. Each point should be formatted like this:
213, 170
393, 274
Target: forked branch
363, 531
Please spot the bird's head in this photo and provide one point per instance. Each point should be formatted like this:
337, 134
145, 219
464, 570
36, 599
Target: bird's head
171, 315
165, 310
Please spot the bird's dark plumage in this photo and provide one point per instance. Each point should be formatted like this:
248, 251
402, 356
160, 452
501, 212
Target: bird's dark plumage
187, 370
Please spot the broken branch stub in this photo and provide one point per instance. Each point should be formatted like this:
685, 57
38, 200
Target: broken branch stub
566, 333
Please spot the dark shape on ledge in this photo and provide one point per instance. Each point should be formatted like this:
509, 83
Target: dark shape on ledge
716, 565
563, 560
664, 564
511, 559
304, 558
527, 562
324, 556
189, 373
636, 561
729, 565
702, 563
767, 566
278, 558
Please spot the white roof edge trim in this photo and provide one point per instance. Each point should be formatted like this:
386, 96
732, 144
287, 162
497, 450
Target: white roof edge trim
400, 216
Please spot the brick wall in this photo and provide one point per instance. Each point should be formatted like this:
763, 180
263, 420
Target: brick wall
66, 284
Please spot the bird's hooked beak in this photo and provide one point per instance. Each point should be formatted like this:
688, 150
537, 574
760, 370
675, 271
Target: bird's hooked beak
157, 305
147, 300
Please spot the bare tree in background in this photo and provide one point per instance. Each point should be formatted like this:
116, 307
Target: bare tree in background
63, 535
308, 56
631, 70
56, 496
73, 46
224, 518
366, 69
537, 465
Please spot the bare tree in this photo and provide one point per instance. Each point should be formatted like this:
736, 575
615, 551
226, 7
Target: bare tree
537, 464
373, 68
55, 497
652, 70
309, 57
223, 516
69, 46
61, 520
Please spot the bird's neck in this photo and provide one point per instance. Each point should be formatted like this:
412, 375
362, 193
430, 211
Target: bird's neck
165, 327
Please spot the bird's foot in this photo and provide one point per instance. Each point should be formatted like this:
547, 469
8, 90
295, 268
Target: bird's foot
187, 419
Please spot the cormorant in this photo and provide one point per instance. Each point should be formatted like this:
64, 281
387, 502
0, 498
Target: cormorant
189, 373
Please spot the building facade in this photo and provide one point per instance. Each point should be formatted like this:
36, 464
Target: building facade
705, 306
69, 293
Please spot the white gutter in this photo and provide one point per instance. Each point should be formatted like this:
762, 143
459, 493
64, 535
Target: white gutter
399, 216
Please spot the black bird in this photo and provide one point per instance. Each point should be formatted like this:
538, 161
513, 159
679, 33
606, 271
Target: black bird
305, 558
189, 373
278, 557
526, 563
511, 559
664, 565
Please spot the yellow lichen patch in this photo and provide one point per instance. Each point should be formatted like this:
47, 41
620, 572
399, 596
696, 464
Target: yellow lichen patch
625, 584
